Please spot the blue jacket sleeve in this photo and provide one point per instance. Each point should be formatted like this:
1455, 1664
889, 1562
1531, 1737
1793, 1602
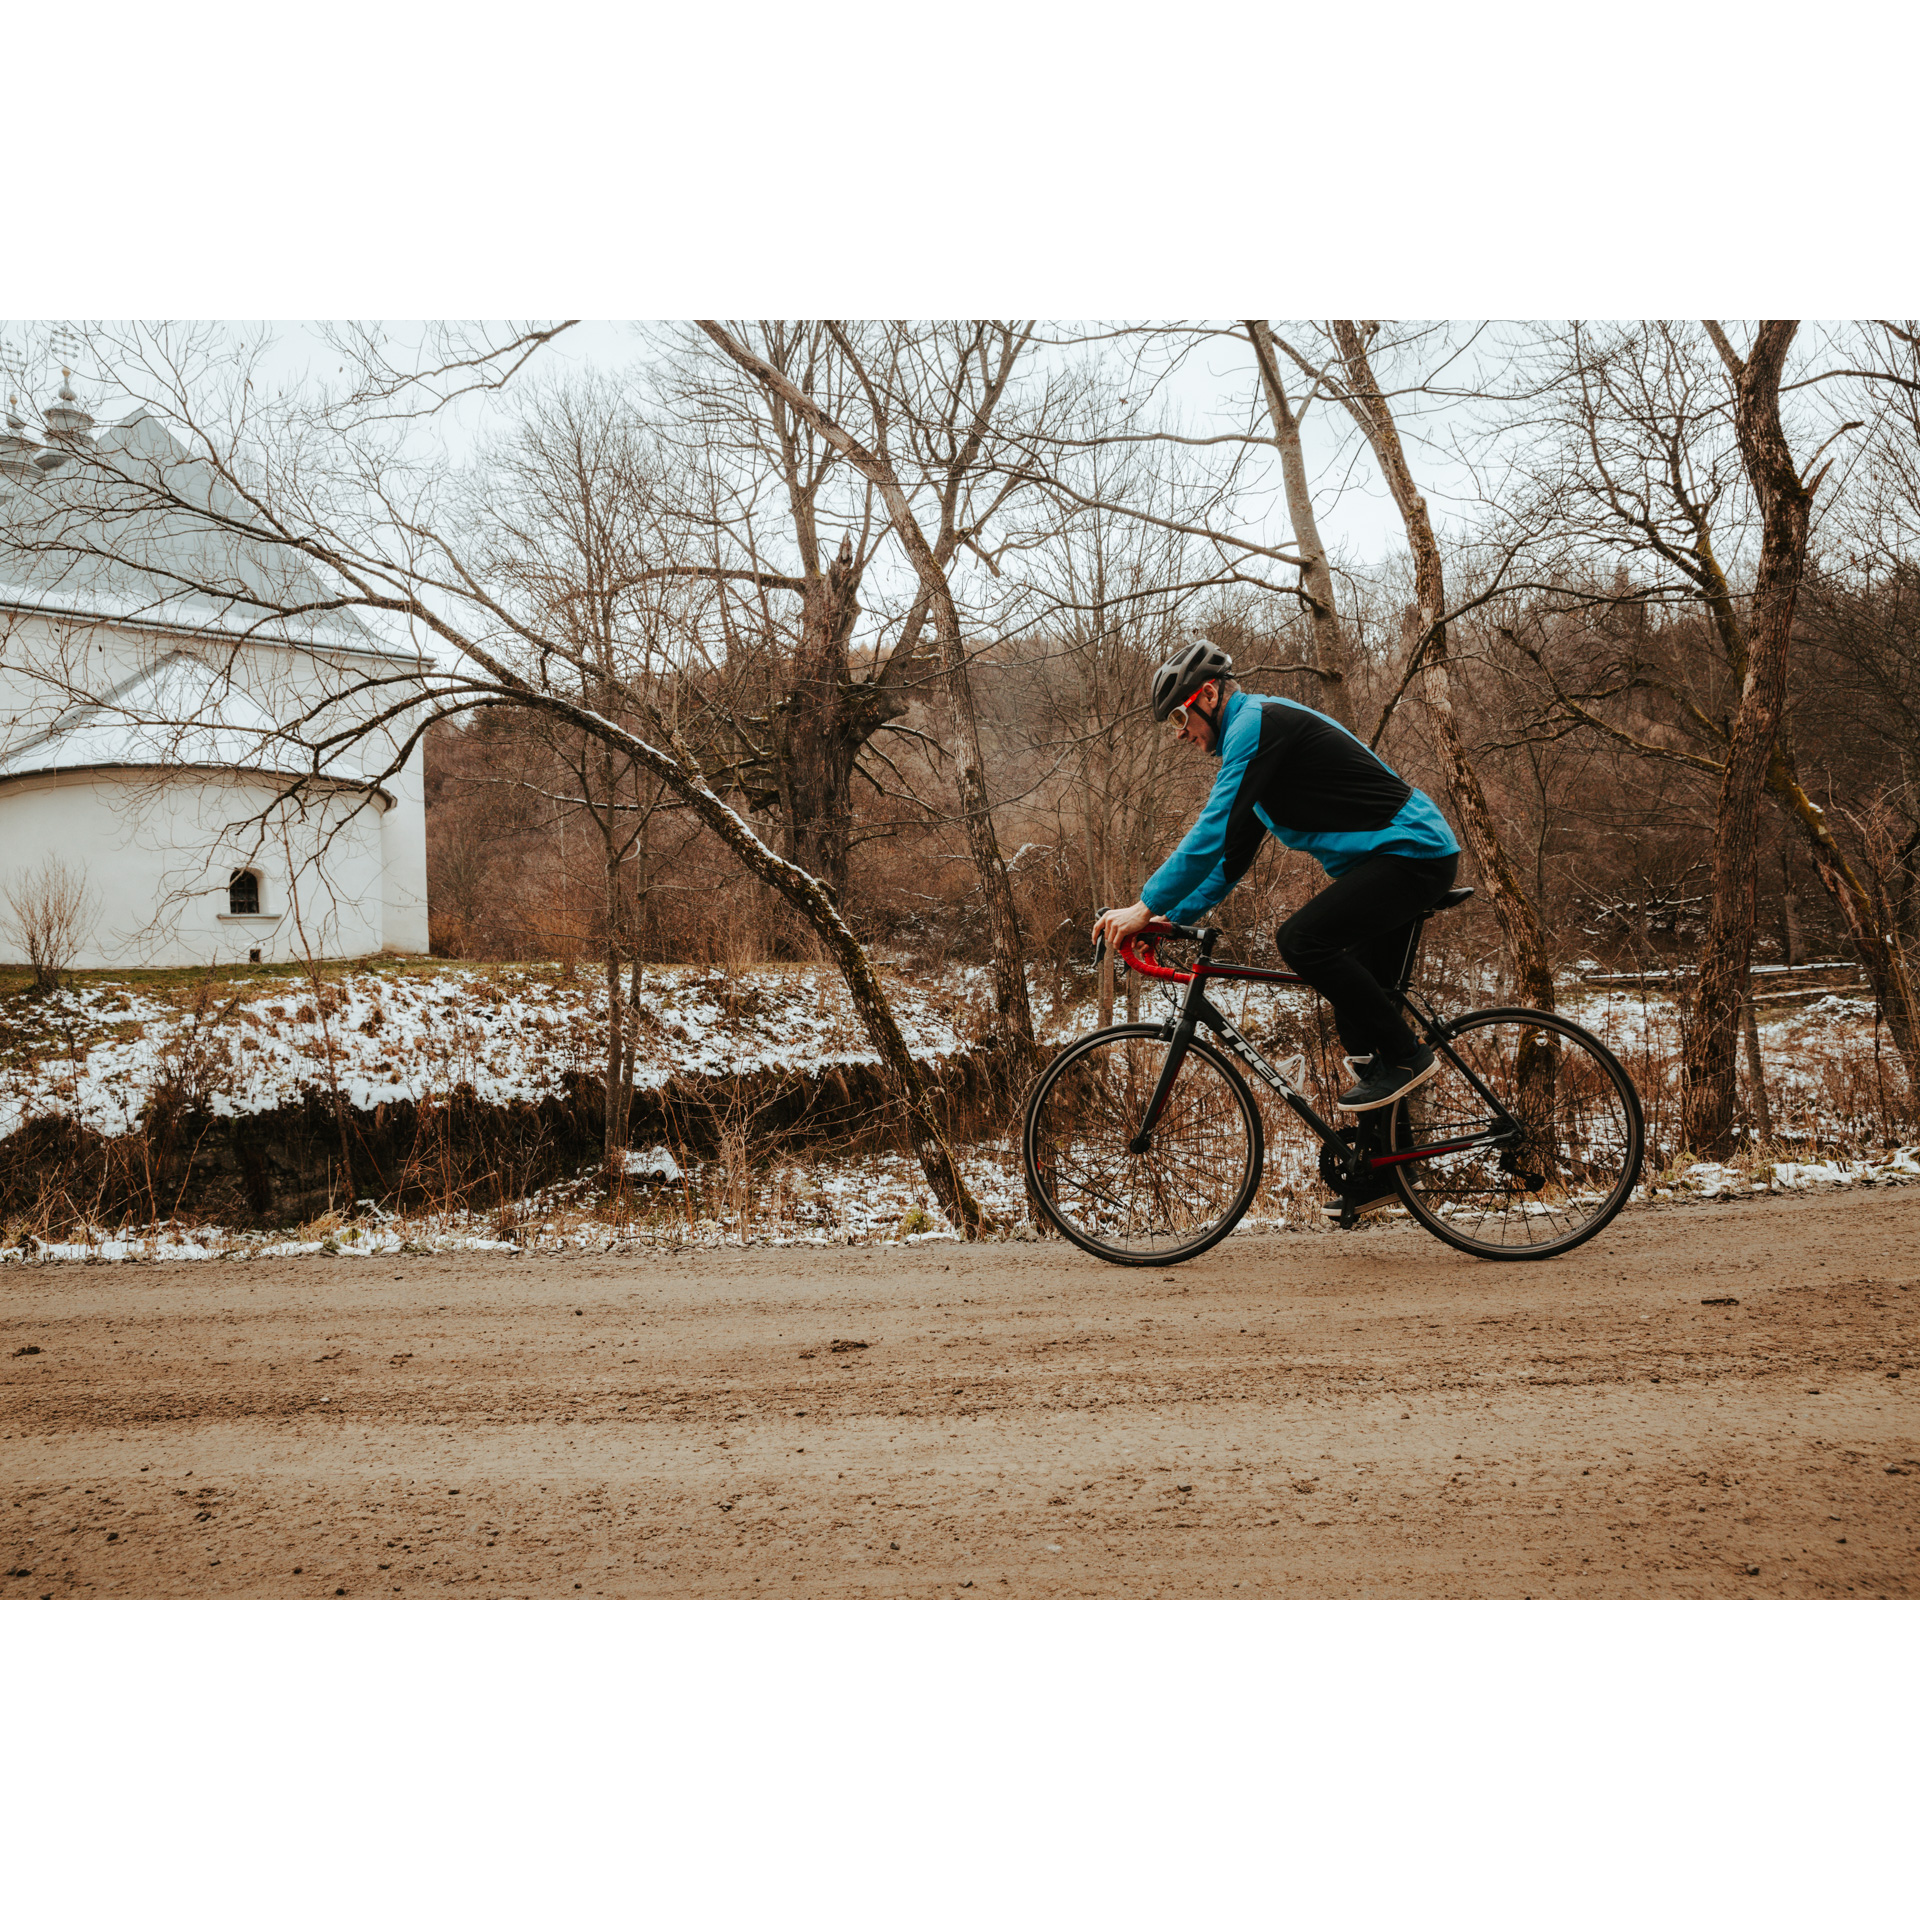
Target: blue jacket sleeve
1194, 878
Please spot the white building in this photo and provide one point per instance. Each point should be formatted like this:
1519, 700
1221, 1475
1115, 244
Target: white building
178, 721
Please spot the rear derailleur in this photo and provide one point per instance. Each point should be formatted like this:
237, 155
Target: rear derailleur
1510, 1165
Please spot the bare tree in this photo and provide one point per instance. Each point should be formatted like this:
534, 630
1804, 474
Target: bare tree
1330, 651
1518, 915
563, 520
751, 506
53, 912
1112, 789
1643, 474
1785, 501
875, 458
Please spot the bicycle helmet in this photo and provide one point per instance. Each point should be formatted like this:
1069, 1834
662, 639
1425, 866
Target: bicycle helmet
1180, 678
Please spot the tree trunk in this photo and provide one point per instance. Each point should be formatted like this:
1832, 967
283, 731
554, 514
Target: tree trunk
1008, 965
615, 1132
627, 1063
1518, 915
814, 748
1792, 947
1876, 942
1707, 1055
634, 964
1756, 1079
1316, 577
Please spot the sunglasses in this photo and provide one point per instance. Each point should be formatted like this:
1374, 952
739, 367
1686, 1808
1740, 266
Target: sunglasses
1181, 714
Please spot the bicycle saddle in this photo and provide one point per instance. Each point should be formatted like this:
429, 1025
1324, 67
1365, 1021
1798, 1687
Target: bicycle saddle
1453, 897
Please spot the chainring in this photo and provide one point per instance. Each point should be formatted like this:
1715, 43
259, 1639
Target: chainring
1333, 1169
1375, 1132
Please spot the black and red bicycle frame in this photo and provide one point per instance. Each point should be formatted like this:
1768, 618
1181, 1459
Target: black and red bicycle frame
1197, 1011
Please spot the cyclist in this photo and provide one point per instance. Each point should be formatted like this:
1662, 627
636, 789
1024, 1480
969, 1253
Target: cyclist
1288, 770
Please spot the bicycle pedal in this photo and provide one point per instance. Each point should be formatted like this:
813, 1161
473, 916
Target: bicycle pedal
1293, 1070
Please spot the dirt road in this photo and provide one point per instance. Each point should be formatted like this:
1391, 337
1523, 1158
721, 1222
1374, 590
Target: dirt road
1297, 1414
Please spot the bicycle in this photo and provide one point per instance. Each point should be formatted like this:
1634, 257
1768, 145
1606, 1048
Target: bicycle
1144, 1146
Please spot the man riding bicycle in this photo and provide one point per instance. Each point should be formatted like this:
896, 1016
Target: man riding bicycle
1288, 770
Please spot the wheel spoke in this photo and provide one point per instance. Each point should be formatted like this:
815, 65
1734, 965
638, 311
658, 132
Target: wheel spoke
1575, 1156
1195, 1175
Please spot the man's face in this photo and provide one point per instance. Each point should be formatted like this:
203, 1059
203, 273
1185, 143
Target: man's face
1195, 722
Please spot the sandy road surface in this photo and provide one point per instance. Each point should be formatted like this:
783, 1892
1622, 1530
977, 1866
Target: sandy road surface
1296, 1414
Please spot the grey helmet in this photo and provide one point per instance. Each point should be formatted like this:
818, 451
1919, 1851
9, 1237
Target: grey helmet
1180, 678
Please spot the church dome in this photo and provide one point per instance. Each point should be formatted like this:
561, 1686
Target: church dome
16, 450
67, 421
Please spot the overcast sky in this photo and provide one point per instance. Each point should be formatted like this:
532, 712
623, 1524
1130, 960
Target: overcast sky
1208, 391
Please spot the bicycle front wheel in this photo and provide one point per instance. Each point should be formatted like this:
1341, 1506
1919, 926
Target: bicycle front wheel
1567, 1152
1190, 1183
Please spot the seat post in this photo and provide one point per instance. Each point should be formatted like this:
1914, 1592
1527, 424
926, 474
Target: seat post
1454, 897
1413, 949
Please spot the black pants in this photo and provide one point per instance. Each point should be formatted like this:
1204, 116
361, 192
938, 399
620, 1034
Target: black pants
1349, 940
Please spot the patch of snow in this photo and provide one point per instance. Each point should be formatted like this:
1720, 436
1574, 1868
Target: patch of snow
425, 1035
1820, 1173
1708, 1177
655, 1162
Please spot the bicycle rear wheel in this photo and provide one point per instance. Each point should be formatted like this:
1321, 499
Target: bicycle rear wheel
1184, 1191
1561, 1176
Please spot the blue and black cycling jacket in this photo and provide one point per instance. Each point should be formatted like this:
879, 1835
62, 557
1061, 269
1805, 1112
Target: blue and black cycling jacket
1307, 781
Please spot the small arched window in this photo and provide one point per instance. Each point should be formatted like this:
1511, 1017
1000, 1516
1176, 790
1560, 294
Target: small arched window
243, 892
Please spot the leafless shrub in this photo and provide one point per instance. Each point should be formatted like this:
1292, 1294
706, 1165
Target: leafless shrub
736, 1113
53, 911
197, 1060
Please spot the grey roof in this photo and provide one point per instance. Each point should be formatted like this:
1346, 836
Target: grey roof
132, 530
178, 713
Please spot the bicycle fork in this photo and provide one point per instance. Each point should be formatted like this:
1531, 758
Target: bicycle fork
1181, 1039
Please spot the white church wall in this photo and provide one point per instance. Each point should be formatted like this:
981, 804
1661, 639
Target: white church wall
403, 843
47, 665
158, 852
290, 681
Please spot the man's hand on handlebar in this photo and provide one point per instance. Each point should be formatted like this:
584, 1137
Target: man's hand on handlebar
1122, 923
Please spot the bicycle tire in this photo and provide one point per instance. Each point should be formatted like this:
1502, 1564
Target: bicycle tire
1185, 1192
1575, 1164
